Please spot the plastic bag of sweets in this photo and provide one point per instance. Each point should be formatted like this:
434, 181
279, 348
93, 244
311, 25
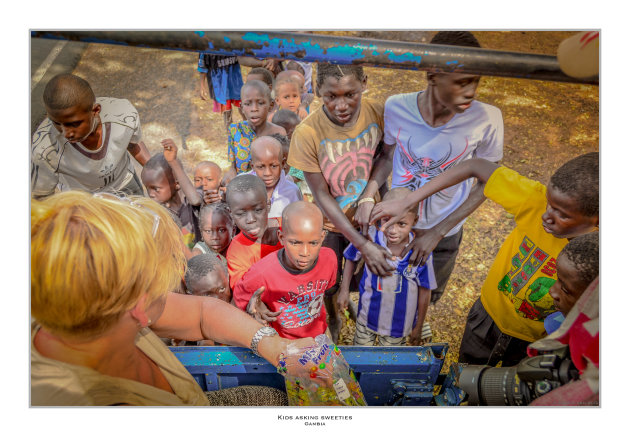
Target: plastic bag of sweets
324, 376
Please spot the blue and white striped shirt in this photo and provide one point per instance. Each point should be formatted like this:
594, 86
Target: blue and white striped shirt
389, 305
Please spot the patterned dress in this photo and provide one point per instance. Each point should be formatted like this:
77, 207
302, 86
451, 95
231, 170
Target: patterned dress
240, 137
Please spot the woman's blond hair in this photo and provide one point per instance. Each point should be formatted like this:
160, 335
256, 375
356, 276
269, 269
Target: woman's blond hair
92, 258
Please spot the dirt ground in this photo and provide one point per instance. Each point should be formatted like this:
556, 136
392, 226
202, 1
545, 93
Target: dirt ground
546, 123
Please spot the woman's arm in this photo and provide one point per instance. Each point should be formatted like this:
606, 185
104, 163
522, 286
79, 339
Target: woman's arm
196, 318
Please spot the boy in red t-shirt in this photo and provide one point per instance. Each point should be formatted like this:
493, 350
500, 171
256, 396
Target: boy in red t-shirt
246, 195
289, 285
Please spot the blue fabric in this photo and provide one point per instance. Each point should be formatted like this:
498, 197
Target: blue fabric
224, 76
374, 306
553, 321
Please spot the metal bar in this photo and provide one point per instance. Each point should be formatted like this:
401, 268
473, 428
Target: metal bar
339, 50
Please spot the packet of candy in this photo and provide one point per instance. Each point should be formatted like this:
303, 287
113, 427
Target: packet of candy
324, 376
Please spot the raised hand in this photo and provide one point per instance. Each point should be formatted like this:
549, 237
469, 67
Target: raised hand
170, 149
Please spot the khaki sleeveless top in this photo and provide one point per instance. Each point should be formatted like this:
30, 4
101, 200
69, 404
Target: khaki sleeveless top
57, 383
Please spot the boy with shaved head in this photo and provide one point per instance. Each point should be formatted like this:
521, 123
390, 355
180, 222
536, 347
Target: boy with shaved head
287, 286
207, 177
85, 142
268, 162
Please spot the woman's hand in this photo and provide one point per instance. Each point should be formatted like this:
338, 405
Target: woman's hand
294, 351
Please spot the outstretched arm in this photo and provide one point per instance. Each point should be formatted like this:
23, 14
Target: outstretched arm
375, 256
170, 154
215, 320
425, 240
472, 168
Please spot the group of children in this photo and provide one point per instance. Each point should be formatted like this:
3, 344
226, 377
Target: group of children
270, 241
253, 236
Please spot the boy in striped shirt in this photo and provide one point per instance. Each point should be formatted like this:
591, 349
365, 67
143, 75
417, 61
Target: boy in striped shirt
390, 307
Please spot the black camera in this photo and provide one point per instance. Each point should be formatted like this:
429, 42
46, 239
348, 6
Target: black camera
517, 385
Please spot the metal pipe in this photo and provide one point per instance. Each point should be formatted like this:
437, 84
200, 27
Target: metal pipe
339, 50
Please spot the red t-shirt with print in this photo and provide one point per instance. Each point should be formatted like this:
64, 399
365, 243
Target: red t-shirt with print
298, 294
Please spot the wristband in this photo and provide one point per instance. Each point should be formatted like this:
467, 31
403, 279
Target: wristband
265, 331
366, 199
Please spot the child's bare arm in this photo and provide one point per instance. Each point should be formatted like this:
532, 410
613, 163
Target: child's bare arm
170, 154
139, 152
395, 209
424, 297
258, 310
344, 287
203, 87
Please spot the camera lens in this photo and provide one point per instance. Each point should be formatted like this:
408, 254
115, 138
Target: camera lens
492, 386
499, 386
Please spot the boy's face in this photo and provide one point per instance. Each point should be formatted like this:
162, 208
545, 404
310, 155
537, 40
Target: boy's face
157, 185
288, 96
267, 165
562, 218
399, 232
255, 106
568, 288
302, 242
75, 123
454, 91
342, 98
249, 211
214, 284
207, 177
216, 231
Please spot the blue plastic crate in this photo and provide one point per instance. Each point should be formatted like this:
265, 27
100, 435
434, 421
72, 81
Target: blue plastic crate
403, 375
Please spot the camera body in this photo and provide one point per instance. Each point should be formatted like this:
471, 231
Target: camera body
518, 385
